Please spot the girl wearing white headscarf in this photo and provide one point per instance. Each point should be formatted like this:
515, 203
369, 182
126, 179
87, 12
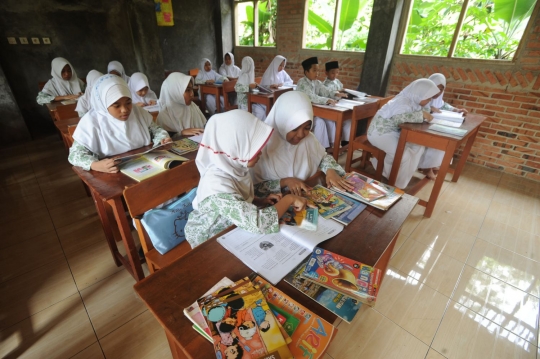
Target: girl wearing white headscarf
141, 94
64, 85
437, 103
383, 132
83, 104
246, 81
208, 76
274, 77
177, 111
113, 126
228, 68
116, 68
293, 153
231, 144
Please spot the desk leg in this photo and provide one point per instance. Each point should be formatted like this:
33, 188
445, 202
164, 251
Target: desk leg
106, 225
269, 106
398, 156
250, 104
337, 138
218, 102
135, 268
464, 156
203, 99
176, 350
448, 153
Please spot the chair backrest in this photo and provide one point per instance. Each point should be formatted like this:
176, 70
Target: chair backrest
65, 112
278, 93
69, 137
193, 72
365, 112
384, 101
71, 129
258, 80
41, 85
228, 88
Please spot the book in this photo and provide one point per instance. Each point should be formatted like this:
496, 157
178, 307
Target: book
363, 189
306, 219
150, 164
449, 116
152, 108
338, 303
69, 102
356, 93
448, 130
196, 138
311, 335
184, 145
344, 275
264, 89
347, 217
123, 159
328, 202
276, 254
241, 322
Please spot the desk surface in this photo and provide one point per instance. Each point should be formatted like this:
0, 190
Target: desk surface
63, 125
472, 121
168, 291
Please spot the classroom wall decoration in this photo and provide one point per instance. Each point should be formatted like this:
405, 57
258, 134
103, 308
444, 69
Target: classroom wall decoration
164, 12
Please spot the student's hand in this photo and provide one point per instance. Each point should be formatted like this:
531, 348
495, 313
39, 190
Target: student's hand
71, 97
80, 94
140, 104
335, 180
253, 85
274, 86
295, 185
107, 165
210, 82
435, 110
192, 131
225, 79
342, 95
297, 202
152, 102
461, 110
331, 102
166, 140
427, 116
270, 200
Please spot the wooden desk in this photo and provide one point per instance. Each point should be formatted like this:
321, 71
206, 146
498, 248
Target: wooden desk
338, 115
370, 238
216, 90
420, 134
266, 99
107, 191
62, 127
51, 106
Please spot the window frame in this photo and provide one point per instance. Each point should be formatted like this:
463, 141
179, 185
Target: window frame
255, 24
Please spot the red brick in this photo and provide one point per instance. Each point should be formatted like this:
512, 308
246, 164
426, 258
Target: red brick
471, 75
531, 126
525, 99
529, 76
536, 85
534, 146
467, 98
480, 76
484, 112
500, 77
463, 75
511, 123
532, 176
474, 105
455, 74
530, 107
530, 67
490, 77
522, 81
505, 115
517, 111
495, 108
516, 142
509, 103
406, 69
532, 164
502, 96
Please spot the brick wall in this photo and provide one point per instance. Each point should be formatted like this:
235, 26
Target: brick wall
507, 93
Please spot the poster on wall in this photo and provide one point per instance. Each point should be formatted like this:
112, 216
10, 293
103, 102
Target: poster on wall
164, 12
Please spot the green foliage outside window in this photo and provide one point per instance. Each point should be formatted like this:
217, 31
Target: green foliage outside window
266, 24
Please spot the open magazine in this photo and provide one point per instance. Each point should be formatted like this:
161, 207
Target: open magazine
459, 132
150, 164
276, 254
448, 118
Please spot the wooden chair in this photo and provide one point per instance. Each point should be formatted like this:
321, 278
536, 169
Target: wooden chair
41, 85
69, 138
228, 89
150, 193
193, 72
258, 80
65, 112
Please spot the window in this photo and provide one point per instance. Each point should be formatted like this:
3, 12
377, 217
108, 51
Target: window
255, 22
469, 29
337, 24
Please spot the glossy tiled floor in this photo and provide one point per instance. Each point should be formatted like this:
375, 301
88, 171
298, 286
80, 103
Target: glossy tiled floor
463, 284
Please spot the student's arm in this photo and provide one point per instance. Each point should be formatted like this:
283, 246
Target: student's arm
222, 71
306, 88
199, 80
324, 91
328, 162
265, 188
43, 98
158, 134
410, 117
81, 156
241, 88
287, 79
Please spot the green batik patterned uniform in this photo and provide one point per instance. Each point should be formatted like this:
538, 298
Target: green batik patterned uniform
242, 96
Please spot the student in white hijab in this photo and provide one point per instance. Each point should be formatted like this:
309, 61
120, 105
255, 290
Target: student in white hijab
83, 104
64, 85
113, 126
116, 68
208, 76
228, 68
293, 153
274, 77
383, 132
141, 94
178, 113
231, 144
437, 103
246, 82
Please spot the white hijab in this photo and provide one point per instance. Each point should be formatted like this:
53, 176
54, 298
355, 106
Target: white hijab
117, 66
247, 75
274, 77
105, 135
204, 75
57, 86
279, 158
83, 104
408, 100
137, 82
438, 79
174, 114
230, 70
230, 141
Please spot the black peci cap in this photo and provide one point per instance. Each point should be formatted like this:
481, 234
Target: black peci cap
331, 65
306, 64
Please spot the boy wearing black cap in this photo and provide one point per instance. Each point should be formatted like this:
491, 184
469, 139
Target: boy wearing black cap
332, 71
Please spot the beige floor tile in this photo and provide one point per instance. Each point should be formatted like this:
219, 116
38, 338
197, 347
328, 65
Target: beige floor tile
33, 223
60, 331
412, 305
380, 338
507, 266
30, 254
459, 218
139, 338
92, 264
327, 356
413, 220
112, 302
74, 211
34, 291
63, 190
464, 334
433, 354
81, 234
401, 239
14, 160
519, 217
503, 304
13, 192
16, 208
444, 238
15, 175
428, 266
92, 352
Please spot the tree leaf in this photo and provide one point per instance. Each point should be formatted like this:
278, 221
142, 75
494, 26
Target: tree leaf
513, 10
321, 24
348, 14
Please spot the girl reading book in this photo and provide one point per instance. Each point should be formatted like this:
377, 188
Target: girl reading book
83, 104
246, 82
64, 85
141, 94
116, 68
231, 144
114, 126
207, 76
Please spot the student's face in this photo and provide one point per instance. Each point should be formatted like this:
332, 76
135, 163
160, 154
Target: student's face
121, 109
281, 66
425, 102
313, 72
254, 161
298, 134
66, 73
207, 66
114, 72
441, 88
332, 74
188, 94
142, 92
228, 60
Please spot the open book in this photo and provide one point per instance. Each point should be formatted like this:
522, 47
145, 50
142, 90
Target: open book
150, 164
152, 108
356, 93
69, 102
448, 118
459, 132
276, 254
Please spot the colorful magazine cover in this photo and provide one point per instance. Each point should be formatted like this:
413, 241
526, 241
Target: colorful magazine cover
352, 278
311, 335
242, 324
363, 188
307, 219
184, 145
392, 194
328, 203
338, 303
349, 215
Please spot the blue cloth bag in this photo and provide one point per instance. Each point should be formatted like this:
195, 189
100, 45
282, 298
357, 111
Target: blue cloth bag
165, 226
